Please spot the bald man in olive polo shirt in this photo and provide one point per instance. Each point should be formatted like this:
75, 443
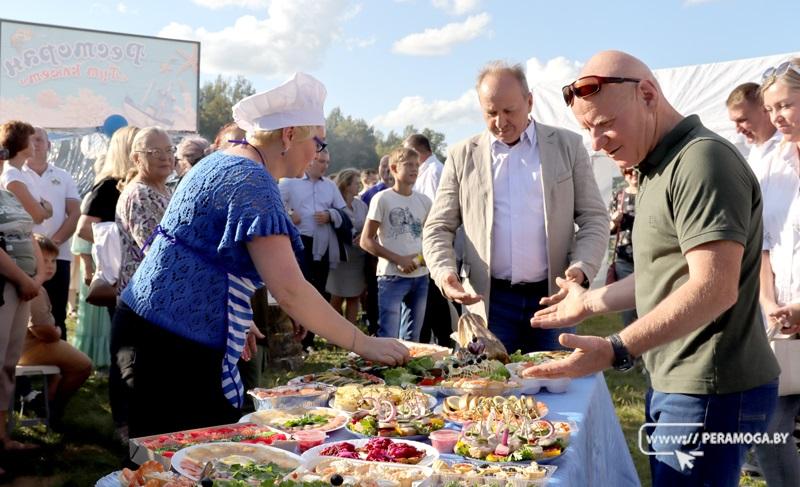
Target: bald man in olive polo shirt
696, 242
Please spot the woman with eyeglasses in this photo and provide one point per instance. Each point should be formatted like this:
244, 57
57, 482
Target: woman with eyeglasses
186, 312
780, 263
144, 198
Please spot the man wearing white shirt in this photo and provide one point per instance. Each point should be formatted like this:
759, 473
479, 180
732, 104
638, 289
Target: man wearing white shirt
520, 189
312, 202
437, 312
746, 111
58, 187
430, 169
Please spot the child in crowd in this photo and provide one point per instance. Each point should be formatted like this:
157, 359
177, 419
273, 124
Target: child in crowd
44, 346
396, 218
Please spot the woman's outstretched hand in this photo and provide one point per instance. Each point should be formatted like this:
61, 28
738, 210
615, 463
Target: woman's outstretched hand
385, 350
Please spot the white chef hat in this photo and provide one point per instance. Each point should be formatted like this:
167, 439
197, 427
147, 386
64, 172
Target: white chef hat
297, 102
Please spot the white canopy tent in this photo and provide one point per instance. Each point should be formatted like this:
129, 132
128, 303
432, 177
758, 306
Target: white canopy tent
699, 89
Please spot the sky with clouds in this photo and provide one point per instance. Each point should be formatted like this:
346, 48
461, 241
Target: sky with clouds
399, 62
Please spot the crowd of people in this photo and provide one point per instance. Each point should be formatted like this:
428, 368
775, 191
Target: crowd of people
512, 228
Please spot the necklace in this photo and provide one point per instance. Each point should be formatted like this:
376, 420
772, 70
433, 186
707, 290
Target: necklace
245, 142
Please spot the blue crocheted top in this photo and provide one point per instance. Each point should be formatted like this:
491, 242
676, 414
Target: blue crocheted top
182, 285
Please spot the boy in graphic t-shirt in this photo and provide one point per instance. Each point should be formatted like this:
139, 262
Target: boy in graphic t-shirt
393, 233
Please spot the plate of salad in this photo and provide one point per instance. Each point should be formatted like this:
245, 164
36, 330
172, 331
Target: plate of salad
299, 419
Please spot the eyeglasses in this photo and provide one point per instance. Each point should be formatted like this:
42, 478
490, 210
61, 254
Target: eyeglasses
589, 85
170, 151
780, 70
321, 145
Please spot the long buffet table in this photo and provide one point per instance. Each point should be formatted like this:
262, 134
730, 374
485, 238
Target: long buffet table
597, 454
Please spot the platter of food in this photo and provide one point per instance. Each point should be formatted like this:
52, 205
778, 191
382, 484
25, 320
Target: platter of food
478, 386
166, 445
361, 473
366, 425
302, 395
470, 407
229, 456
352, 398
470, 474
530, 384
435, 352
151, 472
299, 419
538, 358
522, 440
338, 377
383, 450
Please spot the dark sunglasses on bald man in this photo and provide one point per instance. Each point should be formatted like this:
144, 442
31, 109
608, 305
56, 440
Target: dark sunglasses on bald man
589, 85
780, 70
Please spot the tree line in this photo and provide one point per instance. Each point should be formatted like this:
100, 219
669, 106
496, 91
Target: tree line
352, 141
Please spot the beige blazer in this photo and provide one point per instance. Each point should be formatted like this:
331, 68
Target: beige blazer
465, 196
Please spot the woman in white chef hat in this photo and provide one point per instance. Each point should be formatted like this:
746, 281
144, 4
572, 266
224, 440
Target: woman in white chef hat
183, 320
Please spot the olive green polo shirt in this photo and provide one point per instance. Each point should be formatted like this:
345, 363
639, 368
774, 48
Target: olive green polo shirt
695, 188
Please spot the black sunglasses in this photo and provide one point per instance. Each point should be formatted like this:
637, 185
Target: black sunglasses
589, 85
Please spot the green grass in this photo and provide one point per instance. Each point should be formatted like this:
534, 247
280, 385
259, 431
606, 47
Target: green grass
86, 449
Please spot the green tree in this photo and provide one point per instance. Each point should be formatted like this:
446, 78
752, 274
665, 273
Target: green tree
351, 142
386, 144
216, 101
393, 140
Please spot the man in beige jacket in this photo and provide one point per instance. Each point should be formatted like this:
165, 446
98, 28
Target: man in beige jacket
520, 189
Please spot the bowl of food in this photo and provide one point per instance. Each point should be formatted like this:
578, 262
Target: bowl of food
295, 396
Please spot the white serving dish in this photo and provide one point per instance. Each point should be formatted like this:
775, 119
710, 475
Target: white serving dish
533, 385
276, 455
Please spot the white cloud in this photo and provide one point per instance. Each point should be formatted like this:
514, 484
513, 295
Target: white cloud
359, 43
122, 8
217, 4
436, 114
437, 42
294, 36
555, 71
456, 7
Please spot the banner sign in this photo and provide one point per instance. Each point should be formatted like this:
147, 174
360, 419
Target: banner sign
59, 77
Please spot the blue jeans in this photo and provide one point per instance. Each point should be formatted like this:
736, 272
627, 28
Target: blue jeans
780, 463
510, 313
396, 293
746, 412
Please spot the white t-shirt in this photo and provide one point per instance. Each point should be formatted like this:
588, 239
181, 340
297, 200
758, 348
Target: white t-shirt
56, 186
401, 220
11, 174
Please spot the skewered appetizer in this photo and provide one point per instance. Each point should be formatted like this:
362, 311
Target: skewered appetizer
471, 407
494, 440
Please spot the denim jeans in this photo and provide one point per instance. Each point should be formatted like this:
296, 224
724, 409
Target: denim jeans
746, 412
780, 463
510, 313
396, 293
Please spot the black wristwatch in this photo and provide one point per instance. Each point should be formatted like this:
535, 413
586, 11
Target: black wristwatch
623, 360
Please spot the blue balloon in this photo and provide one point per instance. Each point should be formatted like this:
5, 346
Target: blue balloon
112, 124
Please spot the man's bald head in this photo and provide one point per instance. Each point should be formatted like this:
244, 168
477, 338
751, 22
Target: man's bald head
625, 120
617, 63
